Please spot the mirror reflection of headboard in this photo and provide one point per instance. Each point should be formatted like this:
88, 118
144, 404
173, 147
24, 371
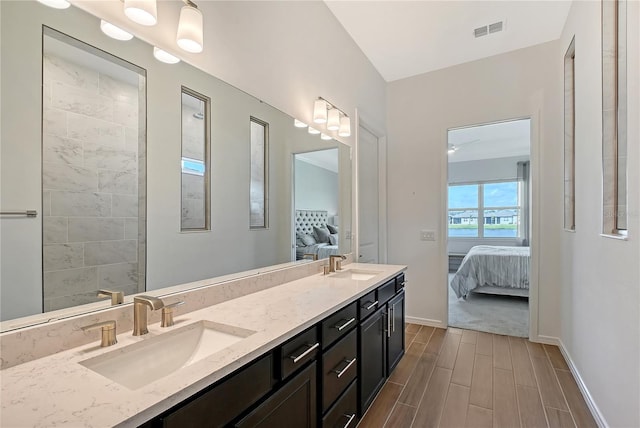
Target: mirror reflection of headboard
306, 219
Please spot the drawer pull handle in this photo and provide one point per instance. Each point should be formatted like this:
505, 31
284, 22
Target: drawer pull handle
343, 326
350, 417
371, 306
305, 353
343, 371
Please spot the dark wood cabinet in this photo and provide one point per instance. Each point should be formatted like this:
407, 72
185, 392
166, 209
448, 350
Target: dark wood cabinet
344, 413
395, 333
372, 352
293, 405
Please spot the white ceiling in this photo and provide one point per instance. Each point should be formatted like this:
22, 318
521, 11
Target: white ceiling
491, 141
327, 159
406, 38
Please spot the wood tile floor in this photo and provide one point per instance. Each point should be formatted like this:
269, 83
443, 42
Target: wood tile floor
462, 378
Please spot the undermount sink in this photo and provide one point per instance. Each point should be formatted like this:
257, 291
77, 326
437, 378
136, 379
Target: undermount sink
356, 274
146, 361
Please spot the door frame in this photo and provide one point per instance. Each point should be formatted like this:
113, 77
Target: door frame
534, 233
363, 120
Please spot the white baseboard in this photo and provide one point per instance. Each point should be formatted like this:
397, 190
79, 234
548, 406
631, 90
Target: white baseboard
426, 321
593, 408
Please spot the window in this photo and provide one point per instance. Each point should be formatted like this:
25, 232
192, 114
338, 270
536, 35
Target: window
484, 210
258, 207
569, 137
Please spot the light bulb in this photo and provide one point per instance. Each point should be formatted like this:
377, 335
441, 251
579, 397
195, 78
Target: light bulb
143, 12
345, 127
299, 124
114, 32
164, 56
320, 111
313, 131
333, 120
190, 33
325, 137
56, 4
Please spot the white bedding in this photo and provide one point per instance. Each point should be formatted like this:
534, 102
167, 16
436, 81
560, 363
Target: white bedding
485, 265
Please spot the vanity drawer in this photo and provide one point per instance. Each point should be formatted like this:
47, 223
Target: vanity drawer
343, 414
238, 392
298, 351
400, 282
367, 305
339, 368
386, 292
339, 324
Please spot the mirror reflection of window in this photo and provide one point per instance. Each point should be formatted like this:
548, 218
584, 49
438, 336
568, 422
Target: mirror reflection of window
195, 162
258, 210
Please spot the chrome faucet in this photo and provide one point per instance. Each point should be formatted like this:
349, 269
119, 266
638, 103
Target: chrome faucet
140, 304
335, 262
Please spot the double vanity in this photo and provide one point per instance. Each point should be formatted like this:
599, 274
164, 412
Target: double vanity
312, 351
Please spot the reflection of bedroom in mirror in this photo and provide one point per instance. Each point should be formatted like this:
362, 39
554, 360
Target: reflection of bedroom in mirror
488, 222
93, 180
316, 200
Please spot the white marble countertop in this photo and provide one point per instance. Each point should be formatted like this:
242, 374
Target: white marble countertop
58, 391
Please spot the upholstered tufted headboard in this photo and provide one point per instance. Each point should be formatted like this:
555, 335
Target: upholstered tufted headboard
306, 219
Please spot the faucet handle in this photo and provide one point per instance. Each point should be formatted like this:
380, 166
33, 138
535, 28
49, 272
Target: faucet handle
108, 332
117, 297
167, 314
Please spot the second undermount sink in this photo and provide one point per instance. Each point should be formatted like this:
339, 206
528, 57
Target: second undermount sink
356, 274
146, 361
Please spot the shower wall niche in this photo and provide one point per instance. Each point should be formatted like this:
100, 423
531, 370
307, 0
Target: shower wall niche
93, 173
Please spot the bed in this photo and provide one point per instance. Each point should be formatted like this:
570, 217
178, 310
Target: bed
314, 234
494, 270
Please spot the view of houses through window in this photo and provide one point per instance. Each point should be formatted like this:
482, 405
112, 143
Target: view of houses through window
496, 204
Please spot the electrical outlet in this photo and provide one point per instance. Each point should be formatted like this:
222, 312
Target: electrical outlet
427, 235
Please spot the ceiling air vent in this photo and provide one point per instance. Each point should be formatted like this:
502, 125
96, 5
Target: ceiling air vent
496, 27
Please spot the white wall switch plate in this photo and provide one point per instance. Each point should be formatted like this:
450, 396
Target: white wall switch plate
427, 235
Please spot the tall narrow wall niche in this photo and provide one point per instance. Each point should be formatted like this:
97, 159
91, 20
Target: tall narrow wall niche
569, 137
93, 173
614, 117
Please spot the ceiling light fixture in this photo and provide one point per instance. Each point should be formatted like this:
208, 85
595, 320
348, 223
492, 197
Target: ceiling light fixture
325, 137
335, 119
320, 111
164, 56
190, 36
114, 32
56, 4
313, 131
143, 12
299, 124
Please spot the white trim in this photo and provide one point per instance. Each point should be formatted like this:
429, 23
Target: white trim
426, 321
586, 395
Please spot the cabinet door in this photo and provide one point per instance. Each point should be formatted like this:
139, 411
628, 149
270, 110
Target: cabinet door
372, 367
395, 335
293, 405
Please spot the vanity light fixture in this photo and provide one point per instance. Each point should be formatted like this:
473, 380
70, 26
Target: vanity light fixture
299, 124
336, 119
164, 56
114, 32
56, 4
190, 28
313, 131
451, 149
320, 111
345, 127
333, 119
325, 137
143, 12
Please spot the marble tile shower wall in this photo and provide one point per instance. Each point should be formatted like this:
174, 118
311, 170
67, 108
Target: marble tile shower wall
193, 186
90, 184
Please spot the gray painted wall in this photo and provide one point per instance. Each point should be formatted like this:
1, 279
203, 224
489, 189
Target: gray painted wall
315, 188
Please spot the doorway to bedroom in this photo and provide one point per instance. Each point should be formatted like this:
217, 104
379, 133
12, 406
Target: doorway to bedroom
488, 223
